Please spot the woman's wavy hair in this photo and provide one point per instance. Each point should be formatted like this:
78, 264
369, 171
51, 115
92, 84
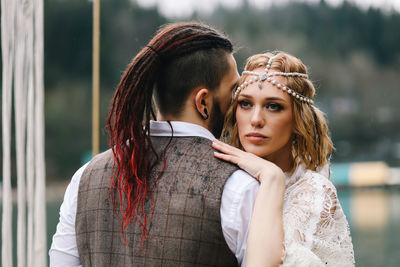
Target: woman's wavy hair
180, 57
311, 142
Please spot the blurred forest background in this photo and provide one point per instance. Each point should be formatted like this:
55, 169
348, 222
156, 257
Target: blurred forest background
353, 57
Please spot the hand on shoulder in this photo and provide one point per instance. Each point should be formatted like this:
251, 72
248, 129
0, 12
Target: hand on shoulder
261, 169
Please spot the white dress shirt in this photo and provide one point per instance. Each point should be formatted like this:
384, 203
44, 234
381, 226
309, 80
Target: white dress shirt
237, 202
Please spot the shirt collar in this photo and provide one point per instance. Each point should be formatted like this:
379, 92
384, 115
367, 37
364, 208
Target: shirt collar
181, 129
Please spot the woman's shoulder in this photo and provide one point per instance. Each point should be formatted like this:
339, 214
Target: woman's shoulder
318, 178
314, 192
317, 181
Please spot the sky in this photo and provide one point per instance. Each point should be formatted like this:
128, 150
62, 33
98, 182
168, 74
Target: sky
184, 8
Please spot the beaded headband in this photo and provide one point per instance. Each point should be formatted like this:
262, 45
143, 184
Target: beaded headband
260, 77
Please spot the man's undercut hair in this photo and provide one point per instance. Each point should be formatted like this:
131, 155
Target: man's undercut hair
179, 77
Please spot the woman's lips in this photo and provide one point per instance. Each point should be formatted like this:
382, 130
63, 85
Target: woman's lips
256, 137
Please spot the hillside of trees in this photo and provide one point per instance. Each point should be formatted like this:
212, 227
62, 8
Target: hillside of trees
353, 56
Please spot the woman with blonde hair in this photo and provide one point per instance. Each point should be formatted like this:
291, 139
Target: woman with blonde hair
277, 134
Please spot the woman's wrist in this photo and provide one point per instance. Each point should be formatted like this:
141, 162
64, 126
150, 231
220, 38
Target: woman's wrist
272, 176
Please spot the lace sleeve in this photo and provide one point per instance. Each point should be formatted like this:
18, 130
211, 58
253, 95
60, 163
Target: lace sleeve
316, 229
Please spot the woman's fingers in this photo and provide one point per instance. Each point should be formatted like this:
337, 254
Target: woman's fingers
227, 149
226, 157
252, 164
232, 154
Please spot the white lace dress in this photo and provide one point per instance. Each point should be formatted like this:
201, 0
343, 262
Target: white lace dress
316, 229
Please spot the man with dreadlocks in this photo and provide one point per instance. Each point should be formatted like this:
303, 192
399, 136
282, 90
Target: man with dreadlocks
158, 196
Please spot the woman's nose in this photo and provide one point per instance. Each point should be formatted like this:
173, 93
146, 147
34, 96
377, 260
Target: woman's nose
257, 120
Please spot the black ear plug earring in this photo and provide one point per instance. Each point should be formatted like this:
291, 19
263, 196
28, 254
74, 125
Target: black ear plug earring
205, 110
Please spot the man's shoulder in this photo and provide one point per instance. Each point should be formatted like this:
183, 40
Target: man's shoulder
102, 162
206, 151
196, 147
103, 158
196, 152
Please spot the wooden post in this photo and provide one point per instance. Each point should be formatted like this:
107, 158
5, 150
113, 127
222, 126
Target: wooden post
96, 79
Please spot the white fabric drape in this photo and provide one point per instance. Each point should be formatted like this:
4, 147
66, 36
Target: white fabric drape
8, 9
22, 50
40, 245
20, 84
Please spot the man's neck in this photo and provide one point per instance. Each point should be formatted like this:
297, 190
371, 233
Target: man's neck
183, 118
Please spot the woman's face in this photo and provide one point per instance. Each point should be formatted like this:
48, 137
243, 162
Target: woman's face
265, 120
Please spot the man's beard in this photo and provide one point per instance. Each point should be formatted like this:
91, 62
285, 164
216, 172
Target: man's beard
216, 119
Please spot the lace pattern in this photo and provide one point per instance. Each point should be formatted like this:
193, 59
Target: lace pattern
316, 229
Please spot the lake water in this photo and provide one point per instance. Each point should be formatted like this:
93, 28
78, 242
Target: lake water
374, 218
373, 215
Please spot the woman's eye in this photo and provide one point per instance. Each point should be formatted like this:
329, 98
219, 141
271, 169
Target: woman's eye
244, 104
274, 107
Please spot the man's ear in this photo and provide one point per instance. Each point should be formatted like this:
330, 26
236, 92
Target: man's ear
202, 102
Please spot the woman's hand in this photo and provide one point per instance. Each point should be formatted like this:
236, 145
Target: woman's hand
257, 167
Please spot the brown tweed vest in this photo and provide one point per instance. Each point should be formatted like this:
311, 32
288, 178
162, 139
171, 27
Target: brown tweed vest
185, 227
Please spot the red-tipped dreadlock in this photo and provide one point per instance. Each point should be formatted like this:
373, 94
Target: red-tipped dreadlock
128, 121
